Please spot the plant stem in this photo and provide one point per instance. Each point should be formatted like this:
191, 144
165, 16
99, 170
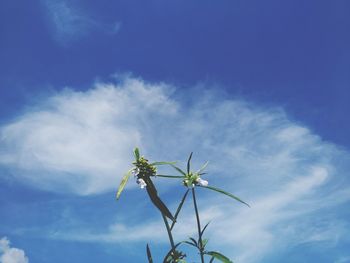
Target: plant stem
198, 225
169, 233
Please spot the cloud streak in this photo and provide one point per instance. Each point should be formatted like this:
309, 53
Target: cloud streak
69, 23
80, 142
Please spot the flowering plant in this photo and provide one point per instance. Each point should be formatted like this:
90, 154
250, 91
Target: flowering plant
144, 171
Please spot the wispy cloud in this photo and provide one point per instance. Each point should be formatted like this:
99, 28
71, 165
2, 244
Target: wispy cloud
122, 232
81, 141
69, 22
343, 260
10, 254
270, 224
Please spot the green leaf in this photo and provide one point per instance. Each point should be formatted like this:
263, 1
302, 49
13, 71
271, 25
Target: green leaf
162, 163
189, 163
211, 260
204, 228
218, 256
204, 242
225, 193
200, 171
194, 241
149, 255
190, 243
179, 209
137, 154
178, 169
152, 192
123, 183
169, 176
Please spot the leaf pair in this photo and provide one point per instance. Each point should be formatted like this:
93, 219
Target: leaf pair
168, 258
197, 243
174, 255
213, 254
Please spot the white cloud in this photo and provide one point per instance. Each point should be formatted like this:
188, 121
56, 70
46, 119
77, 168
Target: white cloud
10, 254
69, 22
81, 142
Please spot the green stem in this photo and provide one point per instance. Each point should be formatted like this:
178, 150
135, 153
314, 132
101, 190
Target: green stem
169, 233
198, 225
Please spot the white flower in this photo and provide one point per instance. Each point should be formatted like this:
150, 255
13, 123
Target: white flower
135, 171
141, 182
202, 182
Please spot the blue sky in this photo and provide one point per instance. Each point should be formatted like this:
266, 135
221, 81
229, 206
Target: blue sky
258, 88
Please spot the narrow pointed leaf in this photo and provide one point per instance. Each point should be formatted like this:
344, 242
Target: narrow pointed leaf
149, 255
152, 192
211, 260
219, 256
178, 169
162, 163
169, 176
200, 171
137, 154
190, 243
225, 193
123, 183
194, 241
204, 228
189, 163
179, 209
204, 243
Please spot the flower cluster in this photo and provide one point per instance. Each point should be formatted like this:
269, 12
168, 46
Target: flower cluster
193, 179
143, 170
